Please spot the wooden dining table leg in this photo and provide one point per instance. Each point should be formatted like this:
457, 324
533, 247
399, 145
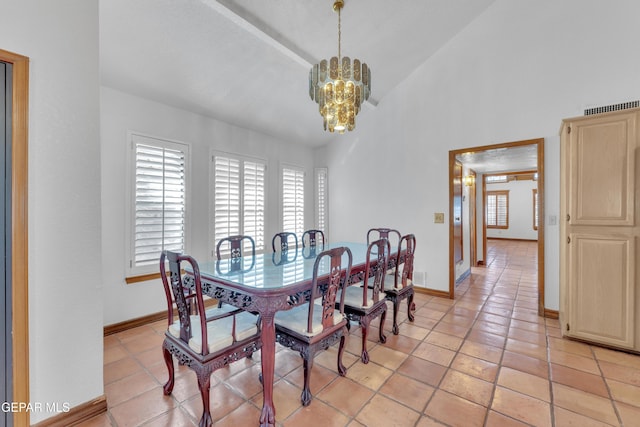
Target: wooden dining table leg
268, 356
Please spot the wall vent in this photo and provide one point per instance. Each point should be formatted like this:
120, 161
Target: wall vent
609, 108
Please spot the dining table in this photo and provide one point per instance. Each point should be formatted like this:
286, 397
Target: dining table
270, 282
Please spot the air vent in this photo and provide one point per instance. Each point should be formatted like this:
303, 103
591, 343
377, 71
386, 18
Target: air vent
609, 108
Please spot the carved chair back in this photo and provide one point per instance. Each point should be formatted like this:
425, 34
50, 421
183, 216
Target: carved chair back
407, 269
338, 275
236, 244
311, 238
391, 234
184, 297
404, 271
280, 241
378, 252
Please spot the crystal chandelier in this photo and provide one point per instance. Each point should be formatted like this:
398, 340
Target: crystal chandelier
339, 87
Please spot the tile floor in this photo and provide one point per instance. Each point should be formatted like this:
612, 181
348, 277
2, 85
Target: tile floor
485, 359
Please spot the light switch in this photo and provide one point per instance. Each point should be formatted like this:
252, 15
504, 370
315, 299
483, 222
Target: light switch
438, 218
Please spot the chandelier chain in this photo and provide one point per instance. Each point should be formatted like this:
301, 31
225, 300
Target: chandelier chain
339, 36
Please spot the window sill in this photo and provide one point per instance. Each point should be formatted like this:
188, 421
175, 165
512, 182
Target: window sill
141, 278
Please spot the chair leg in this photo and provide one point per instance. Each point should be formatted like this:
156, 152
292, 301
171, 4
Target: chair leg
305, 397
342, 370
396, 308
168, 360
364, 324
411, 307
382, 336
204, 384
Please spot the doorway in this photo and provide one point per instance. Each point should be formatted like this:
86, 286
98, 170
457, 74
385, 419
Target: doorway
502, 156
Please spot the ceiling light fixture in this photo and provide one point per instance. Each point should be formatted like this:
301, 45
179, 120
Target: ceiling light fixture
339, 86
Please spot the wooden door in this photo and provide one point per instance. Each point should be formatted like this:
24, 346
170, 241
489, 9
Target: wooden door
457, 213
600, 230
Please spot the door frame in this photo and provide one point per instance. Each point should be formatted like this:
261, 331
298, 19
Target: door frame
539, 142
19, 228
473, 232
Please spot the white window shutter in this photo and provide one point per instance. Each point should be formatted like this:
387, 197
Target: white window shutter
322, 200
254, 201
159, 202
293, 200
226, 197
239, 199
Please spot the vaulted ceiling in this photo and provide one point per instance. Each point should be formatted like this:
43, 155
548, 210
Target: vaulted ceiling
246, 62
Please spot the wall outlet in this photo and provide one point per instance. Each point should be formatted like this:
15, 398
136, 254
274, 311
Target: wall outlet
438, 218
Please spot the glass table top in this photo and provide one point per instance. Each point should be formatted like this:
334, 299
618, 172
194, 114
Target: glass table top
278, 270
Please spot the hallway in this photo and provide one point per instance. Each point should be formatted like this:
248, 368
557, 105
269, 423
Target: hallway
485, 359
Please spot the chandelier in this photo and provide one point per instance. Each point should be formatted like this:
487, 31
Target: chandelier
339, 87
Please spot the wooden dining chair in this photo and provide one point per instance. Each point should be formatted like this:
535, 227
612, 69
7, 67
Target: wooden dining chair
206, 342
281, 241
400, 286
366, 300
320, 322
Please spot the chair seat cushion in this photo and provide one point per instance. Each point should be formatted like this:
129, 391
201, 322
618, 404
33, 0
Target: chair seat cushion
219, 331
389, 285
297, 318
353, 296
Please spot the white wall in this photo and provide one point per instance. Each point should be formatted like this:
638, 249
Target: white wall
121, 113
520, 210
65, 296
513, 74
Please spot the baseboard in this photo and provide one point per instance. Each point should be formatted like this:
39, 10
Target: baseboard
513, 240
463, 276
144, 320
551, 314
77, 414
432, 292
134, 323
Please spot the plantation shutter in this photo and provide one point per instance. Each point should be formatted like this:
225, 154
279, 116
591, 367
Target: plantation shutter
498, 209
239, 200
322, 200
253, 197
160, 201
226, 197
293, 200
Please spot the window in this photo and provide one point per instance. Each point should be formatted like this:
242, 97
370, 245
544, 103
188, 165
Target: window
239, 198
498, 209
490, 179
293, 200
159, 208
535, 209
322, 200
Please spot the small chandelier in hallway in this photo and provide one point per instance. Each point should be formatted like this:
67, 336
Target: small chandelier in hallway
339, 86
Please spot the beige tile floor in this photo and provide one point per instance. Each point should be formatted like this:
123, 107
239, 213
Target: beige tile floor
485, 359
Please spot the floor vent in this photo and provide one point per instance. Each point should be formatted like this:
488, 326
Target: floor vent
615, 107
